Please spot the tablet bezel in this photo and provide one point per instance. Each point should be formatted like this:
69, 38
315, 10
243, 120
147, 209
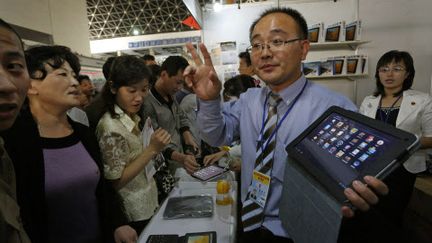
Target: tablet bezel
408, 144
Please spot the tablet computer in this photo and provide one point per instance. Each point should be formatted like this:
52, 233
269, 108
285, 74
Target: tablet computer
209, 172
201, 237
342, 146
196, 206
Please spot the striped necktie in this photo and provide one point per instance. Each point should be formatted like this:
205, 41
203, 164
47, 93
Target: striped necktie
252, 213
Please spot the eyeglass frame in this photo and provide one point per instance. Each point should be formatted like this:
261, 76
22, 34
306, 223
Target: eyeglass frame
397, 69
268, 46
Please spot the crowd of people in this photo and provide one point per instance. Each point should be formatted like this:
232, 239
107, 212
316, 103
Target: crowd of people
60, 141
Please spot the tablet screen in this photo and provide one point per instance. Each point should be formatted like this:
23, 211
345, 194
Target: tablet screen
344, 148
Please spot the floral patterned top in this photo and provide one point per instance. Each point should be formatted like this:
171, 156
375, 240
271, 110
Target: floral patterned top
121, 142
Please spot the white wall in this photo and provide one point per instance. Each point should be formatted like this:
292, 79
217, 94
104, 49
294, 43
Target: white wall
65, 20
388, 24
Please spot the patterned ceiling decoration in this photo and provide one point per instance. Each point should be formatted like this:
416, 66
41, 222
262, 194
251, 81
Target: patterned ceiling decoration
120, 18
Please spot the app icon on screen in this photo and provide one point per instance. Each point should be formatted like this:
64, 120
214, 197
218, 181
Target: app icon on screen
363, 157
353, 130
340, 153
356, 163
362, 145
370, 138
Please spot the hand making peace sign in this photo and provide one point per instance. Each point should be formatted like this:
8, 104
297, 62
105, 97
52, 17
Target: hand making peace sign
202, 77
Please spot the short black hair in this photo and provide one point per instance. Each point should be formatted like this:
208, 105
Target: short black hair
237, 85
148, 57
55, 56
83, 77
107, 67
397, 57
9, 27
155, 73
296, 15
173, 64
246, 56
125, 71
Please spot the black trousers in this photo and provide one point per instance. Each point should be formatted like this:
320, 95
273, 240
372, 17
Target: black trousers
261, 235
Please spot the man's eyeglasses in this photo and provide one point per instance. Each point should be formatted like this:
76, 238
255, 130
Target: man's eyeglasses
273, 45
396, 69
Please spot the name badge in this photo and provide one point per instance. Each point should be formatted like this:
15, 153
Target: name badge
259, 188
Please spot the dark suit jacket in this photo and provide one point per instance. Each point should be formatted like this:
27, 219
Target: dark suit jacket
23, 144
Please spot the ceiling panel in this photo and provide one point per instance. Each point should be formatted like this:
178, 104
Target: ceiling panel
120, 18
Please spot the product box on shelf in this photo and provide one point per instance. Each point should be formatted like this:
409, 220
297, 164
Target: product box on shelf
364, 64
357, 64
353, 31
335, 32
311, 69
316, 32
326, 68
339, 64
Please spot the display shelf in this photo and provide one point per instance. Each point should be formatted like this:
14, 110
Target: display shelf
345, 76
336, 45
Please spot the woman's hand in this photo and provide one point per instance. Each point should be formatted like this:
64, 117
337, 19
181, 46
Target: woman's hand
212, 158
159, 139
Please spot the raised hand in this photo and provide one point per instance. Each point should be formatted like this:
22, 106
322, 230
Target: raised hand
202, 77
159, 139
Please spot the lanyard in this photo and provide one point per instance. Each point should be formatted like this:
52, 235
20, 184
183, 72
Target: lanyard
391, 107
290, 106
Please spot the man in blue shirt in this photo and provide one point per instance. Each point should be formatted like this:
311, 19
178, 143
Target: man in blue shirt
279, 44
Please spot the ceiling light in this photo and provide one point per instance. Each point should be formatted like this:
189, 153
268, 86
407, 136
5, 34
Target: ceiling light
217, 7
135, 32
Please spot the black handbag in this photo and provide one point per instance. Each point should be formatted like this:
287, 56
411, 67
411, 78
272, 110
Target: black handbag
165, 181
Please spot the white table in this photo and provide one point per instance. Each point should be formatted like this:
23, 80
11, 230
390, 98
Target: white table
223, 220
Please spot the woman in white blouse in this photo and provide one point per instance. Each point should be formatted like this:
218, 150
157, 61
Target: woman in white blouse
395, 103
121, 141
